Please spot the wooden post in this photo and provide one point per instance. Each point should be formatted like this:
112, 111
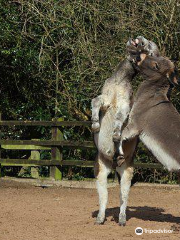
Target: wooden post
35, 155
0, 152
178, 176
56, 172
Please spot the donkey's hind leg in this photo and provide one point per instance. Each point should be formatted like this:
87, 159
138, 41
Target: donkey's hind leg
126, 173
102, 170
96, 104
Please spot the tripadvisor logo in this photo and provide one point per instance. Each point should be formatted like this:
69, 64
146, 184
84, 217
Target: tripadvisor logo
139, 231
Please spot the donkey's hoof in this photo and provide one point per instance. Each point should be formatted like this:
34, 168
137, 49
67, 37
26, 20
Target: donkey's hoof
122, 224
120, 157
100, 220
120, 161
122, 219
116, 137
95, 127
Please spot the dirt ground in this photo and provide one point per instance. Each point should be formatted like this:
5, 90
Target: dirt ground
29, 213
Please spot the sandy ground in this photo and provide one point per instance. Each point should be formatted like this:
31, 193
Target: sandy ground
29, 213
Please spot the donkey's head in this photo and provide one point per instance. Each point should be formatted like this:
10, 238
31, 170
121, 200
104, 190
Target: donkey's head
140, 45
157, 67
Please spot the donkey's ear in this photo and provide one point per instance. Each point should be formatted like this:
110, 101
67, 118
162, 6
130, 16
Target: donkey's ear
141, 58
155, 65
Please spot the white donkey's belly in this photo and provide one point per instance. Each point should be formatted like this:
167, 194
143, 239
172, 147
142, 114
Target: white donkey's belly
104, 138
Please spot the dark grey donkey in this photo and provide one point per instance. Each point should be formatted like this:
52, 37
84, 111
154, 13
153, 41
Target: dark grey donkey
109, 112
153, 118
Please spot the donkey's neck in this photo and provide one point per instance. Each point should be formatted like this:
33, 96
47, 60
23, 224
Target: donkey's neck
124, 72
153, 88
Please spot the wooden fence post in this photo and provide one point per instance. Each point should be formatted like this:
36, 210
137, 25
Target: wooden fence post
178, 176
0, 151
35, 155
56, 154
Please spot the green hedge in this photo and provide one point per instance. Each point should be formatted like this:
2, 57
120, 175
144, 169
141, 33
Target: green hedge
55, 55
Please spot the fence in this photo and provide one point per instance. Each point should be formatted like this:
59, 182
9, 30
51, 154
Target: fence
55, 145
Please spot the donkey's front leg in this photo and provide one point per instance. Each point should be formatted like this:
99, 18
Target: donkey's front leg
130, 132
96, 104
101, 173
120, 118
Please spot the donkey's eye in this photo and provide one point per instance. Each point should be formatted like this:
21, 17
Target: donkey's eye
142, 44
155, 66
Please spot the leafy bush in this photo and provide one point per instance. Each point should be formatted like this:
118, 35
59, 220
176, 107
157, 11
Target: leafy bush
56, 55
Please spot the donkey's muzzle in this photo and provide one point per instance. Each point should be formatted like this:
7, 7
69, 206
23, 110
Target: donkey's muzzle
174, 77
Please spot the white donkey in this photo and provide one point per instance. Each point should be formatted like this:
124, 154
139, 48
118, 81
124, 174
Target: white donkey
109, 112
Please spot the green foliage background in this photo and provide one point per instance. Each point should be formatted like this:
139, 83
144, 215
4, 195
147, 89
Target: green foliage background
56, 54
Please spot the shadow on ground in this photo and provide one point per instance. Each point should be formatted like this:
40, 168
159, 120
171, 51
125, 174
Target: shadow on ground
144, 213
